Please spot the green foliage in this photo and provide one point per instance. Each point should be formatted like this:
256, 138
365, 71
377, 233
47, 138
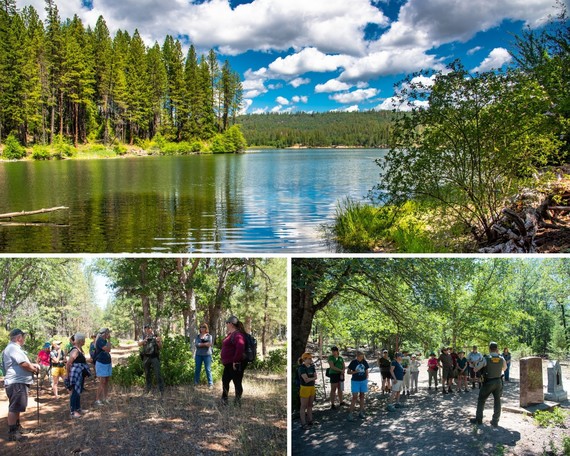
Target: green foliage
12, 149
558, 346
556, 418
566, 446
356, 129
41, 152
177, 366
120, 149
363, 227
276, 361
62, 148
473, 148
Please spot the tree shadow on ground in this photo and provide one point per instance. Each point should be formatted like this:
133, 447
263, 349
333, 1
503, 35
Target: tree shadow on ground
430, 424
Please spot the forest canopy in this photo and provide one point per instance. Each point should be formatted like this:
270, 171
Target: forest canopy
57, 297
425, 303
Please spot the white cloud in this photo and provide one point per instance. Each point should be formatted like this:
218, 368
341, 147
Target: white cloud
354, 97
282, 101
474, 50
393, 103
253, 84
260, 110
496, 59
246, 104
332, 85
300, 99
297, 82
309, 59
353, 108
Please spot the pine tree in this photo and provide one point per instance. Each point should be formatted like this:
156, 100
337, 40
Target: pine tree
157, 84
103, 54
138, 106
55, 58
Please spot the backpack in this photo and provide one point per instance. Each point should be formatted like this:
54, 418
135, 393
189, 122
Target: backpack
250, 350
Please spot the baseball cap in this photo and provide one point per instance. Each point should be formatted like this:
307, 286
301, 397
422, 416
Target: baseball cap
47, 345
16, 332
233, 320
493, 346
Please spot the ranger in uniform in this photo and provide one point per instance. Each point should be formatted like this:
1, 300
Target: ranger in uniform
492, 368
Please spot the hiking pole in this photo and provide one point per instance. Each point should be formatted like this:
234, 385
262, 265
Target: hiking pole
38, 399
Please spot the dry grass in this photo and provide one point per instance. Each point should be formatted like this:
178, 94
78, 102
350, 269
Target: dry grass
186, 421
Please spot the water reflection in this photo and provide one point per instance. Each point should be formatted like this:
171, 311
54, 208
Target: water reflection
266, 201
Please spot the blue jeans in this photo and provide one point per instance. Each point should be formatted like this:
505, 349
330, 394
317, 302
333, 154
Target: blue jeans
207, 360
75, 399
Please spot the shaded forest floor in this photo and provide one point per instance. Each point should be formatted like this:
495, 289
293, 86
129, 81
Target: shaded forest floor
185, 421
431, 424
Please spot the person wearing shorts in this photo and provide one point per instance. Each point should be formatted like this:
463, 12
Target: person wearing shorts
19, 376
397, 373
57, 366
358, 368
103, 365
446, 364
384, 365
462, 371
307, 375
336, 370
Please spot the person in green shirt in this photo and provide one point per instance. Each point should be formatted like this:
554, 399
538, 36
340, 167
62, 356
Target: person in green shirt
336, 370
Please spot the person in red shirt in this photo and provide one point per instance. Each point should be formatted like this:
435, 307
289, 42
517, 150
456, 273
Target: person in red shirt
44, 360
233, 347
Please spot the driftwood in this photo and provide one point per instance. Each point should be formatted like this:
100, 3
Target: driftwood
11, 215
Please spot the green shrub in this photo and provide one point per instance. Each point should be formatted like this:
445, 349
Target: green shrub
120, 149
62, 148
276, 361
551, 419
177, 365
566, 446
41, 153
12, 149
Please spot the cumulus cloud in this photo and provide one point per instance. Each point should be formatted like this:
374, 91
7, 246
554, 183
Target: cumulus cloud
392, 103
355, 96
300, 99
309, 59
496, 59
253, 84
282, 100
297, 82
353, 108
332, 85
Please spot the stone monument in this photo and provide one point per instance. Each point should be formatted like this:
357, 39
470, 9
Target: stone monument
531, 389
555, 390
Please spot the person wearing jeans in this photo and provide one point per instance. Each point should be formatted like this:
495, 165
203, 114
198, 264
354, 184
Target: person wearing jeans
203, 355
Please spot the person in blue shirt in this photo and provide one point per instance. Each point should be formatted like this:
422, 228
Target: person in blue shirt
103, 364
358, 368
397, 372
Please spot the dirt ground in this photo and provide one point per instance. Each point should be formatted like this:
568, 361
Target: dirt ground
431, 424
185, 421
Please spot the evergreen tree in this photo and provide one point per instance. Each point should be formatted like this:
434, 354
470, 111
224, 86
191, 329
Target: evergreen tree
157, 83
138, 106
102, 56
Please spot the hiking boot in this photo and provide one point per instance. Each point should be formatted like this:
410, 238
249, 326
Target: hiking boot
475, 421
15, 436
390, 408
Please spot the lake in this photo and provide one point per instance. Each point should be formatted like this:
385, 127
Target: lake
266, 201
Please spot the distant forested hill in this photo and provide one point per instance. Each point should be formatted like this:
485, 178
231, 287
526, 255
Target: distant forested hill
359, 129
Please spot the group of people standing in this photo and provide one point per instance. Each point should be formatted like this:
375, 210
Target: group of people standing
73, 365
400, 377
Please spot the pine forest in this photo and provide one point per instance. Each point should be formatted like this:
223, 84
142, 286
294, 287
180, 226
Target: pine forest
62, 81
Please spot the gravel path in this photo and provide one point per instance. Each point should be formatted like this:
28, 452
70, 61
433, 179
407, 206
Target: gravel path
430, 424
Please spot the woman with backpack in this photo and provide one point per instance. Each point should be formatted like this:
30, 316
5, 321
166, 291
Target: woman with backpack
233, 347
203, 355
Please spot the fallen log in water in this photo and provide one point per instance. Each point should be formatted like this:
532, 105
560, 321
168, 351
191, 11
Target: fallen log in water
10, 215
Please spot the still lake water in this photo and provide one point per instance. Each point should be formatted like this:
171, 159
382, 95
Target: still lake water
268, 201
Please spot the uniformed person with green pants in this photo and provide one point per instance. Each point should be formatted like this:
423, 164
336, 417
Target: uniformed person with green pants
492, 366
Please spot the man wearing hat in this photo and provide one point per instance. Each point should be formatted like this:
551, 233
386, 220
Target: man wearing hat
19, 376
151, 345
492, 367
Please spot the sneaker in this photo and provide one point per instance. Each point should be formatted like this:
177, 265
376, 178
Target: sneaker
390, 408
350, 417
333, 407
75, 415
361, 415
475, 421
98, 403
494, 423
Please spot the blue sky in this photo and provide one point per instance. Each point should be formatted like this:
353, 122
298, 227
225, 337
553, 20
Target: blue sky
322, 55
